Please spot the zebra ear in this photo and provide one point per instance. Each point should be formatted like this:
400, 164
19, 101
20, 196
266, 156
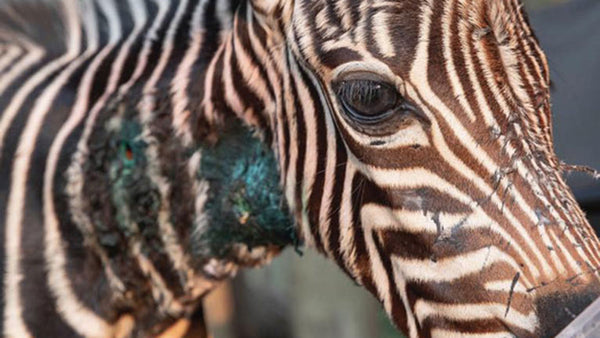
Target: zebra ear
273, 13
265, 7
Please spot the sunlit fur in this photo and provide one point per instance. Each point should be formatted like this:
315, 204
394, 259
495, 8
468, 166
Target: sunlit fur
459, 221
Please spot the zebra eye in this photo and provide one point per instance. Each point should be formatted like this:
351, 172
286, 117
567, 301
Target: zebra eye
368, 101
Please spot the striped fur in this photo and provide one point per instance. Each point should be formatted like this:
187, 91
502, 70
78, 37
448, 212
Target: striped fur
456, 217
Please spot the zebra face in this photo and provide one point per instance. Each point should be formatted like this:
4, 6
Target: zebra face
417, 152
411, 137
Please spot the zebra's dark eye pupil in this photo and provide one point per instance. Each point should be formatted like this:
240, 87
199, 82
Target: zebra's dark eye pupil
367, 101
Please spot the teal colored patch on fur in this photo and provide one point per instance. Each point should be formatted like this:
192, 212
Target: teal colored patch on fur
131, 148
135, 198
245, 203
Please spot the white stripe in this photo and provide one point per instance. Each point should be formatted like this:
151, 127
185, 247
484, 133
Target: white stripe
380, 217
9, 54
249, 70
160, 292
233, 98
13, 320
379, 274
364, 7
167, 48
310, 149
563, 250
225, 20
384, 218
419, 177
147, 105
454, 267
342, 9
25, 90
32, 55
466, 312
182, 78
302, 44
151, 36
266, 59
455, 84
400, 284
442, 333
419, 72
81, 319
347, 241
330, 170
382, 34
506, 286
201, 187
207, 100
53, 235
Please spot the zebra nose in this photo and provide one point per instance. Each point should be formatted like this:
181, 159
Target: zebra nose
556, 310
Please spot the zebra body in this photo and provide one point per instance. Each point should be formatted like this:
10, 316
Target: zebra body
413, 141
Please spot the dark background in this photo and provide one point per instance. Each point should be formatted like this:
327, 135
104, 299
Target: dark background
570, 35
309, 297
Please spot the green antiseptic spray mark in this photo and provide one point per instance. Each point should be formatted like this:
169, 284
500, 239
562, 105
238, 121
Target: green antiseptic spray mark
245, 201
135, 198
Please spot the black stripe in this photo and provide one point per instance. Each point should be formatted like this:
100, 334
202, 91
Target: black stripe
300, 148
316, 197
398, 314
363, 261
286, 138
247, 95
196, 91
156, 49
36, 295
336, 202
102, 75
136, 47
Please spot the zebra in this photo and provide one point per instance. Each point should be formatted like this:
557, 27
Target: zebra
412, 141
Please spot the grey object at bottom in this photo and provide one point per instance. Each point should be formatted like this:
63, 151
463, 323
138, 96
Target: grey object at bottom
587, 324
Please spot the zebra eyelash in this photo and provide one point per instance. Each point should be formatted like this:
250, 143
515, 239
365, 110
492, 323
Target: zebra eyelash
367, 101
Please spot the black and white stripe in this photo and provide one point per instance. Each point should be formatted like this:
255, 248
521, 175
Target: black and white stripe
456, 216
54, 94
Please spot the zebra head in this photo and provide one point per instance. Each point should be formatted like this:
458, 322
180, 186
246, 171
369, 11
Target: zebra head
415, 148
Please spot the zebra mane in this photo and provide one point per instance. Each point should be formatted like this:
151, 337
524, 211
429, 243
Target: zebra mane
38, 22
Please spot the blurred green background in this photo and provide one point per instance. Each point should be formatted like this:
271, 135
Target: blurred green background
301, 296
